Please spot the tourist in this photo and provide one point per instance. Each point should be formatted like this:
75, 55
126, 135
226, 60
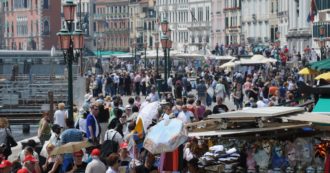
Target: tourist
185, 116
28, 149
31, 164
148, 166
53, 163
78, 166
70, 135
55, 138
44, 130
153, 94
96, 165
113, 163
60, 116
199, 110
93, 127
201, 91
125, 159
220, 107
6, 166
6, 137
115, 132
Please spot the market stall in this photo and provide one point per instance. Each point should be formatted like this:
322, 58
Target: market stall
283, 145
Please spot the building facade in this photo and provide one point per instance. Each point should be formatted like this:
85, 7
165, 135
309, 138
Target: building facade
283, 21
2, 24
190, 22
322, 19
178, 14
299, 30
217, 20
255, 21
199, 25
143, 24
111, 23
32, 25
232, 12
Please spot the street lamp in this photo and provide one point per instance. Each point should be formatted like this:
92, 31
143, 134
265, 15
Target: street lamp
164, 41
322, 42
70, 42
157, 58
145, 51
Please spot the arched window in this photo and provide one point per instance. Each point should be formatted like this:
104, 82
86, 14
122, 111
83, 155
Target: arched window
46, 27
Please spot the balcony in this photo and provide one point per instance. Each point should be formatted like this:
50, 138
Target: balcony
139, 29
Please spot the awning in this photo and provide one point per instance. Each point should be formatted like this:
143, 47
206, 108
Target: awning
108, 53
322, 106
321, 65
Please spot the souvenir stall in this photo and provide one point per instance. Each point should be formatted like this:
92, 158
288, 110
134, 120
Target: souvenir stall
289, 144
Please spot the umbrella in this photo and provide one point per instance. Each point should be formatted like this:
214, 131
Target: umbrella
325, 76
165, 136
307, 71
148, 113
71, 147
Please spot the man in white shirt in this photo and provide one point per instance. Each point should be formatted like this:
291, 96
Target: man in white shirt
60, 116
185, 115
96, 165
153, 95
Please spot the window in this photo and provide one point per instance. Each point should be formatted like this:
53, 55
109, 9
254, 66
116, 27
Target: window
207, 13
45, 5
21, 4
200, 14
46, 28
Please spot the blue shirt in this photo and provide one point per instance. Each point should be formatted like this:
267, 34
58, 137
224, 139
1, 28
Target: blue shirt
90, 122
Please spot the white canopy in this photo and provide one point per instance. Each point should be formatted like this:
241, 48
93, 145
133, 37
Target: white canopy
227, 57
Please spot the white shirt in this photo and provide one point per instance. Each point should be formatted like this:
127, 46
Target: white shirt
59, 118
110, 170
95, 166
185, 116
154, 97
261, 104
113, 135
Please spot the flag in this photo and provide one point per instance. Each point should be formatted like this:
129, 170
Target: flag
313, 12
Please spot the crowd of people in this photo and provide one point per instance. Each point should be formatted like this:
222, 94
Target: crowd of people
108, 122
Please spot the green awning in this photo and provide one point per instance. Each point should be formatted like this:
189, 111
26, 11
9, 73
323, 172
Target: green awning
322, 106
108, 53
321, 65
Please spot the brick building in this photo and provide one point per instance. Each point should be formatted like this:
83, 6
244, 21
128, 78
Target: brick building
31, 24
111, 24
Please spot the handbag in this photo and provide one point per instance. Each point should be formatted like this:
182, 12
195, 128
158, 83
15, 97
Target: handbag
10, 142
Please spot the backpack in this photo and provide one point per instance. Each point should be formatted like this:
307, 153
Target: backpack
109, 146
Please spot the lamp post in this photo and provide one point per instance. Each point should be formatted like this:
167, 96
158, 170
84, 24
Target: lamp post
145, 51
157, 58
164, 40
70, 41
322, 42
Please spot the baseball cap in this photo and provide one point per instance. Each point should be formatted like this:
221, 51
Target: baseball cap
5, 163
123, 145
29, 158
96, 152
23, 170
